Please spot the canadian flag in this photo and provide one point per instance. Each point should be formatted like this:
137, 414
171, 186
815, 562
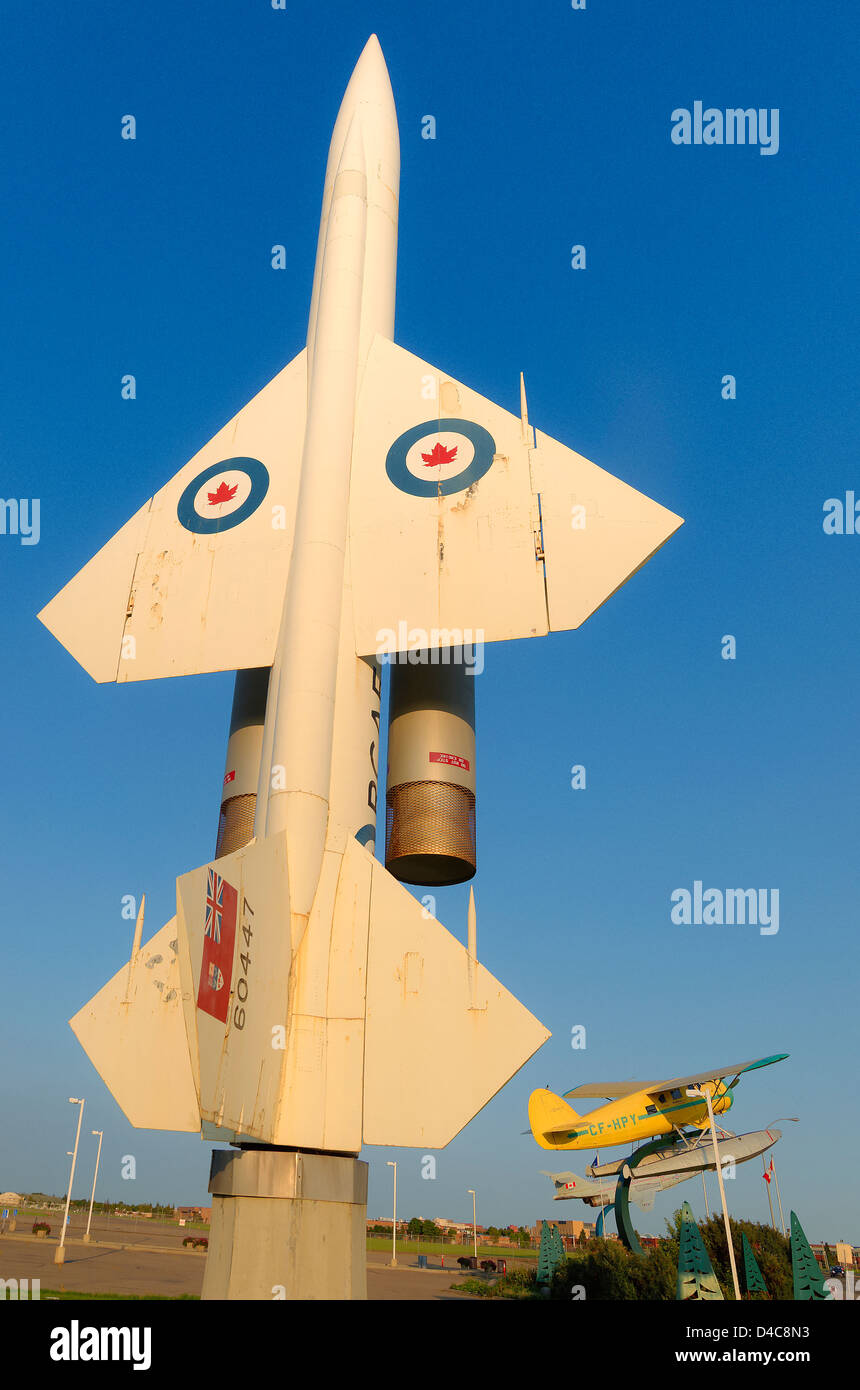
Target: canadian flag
767, 1172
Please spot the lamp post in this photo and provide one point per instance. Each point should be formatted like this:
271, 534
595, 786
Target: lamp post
60, 1252
393, 1165
101, 1134
705, 1092
474, 1221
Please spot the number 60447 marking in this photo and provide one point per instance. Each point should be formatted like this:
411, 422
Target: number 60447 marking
245, 958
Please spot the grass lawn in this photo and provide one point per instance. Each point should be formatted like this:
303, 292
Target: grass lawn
421, 1246
68, 1296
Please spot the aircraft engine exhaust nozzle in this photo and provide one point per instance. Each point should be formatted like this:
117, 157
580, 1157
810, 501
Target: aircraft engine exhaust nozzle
430, 793
244, 746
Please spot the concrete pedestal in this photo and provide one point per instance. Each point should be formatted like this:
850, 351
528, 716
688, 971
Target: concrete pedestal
286, 1226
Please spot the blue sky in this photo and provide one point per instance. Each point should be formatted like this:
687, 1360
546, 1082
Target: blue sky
553, 129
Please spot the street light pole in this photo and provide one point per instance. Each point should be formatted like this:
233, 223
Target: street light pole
474, 1221
60, 1252
101, 1134
394, 1217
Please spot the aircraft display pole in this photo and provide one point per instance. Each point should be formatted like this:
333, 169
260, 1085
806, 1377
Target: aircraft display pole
60, 1252
100, 1133
394, 1217
701, 1090
474, 1221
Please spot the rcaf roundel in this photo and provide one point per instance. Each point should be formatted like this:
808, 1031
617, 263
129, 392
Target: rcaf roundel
440, 457
223, 496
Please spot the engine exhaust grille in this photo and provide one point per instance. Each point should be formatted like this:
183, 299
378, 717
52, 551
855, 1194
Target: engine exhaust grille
430, 833
236, 823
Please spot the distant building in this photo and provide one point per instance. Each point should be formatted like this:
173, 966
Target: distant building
461, 1227
842, 1252
570, 1230
191, 1213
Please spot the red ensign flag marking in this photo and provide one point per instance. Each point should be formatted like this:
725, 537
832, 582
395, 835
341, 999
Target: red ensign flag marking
219, 934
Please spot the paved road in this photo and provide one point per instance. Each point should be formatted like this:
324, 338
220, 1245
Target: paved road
99, 1268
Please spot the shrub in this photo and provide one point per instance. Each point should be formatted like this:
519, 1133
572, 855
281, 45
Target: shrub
520, 1283
771, 1249
608, 1271
41, 1226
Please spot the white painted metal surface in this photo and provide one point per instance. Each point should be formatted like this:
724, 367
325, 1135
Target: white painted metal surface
133, 1031
161, 600
322, 1006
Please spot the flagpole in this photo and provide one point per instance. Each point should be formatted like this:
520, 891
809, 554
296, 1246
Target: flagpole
600, 1187
778, 1198
794, 1121
767, 1185
705, 1191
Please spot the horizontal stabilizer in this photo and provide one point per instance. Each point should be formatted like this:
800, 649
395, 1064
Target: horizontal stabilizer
374, 1025
134, 1034
443, 1036
195, 580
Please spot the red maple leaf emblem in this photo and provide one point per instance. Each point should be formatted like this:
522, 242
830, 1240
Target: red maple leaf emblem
224, 494
439, 456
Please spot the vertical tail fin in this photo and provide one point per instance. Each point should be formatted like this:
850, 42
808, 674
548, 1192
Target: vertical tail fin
553, 1122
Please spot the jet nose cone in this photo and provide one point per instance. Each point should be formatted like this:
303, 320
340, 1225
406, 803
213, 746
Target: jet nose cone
371, 57
369, 101
370, 75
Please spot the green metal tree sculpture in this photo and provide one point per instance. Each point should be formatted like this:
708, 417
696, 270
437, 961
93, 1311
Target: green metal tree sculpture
696, 1277
808, 1279
752, 1274
550, 1254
